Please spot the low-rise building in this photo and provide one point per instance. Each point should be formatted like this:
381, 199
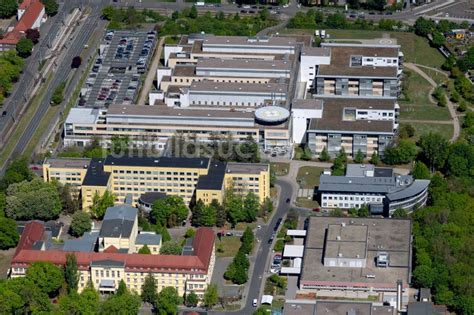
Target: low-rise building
105, 269
356, 254
30, 14
184, 177
375, 187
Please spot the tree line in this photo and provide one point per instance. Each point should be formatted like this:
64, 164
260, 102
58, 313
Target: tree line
237, 270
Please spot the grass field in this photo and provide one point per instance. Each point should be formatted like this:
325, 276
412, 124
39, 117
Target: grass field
306, 203
415, 48
281, 169
227, 246
308, 176
445, 130
435, 75
419, 106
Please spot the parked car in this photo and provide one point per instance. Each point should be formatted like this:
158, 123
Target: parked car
254, 302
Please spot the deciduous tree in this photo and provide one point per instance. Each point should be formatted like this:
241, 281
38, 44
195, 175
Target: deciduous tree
71, 274
167, 301
210, 296
149, 293
169, 211
8, 8
24, 47
46, 276
192, 299
81, 223
145, 250
8, 233
33, 35
170, 248
101, 203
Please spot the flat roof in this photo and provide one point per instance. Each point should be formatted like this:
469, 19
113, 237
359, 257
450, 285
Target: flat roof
243, 64
68, 162
95, 175
184, 70
82, 116
316, 51
341, 59
311, 103
317, 307
167, 162
246, 168
296, 232
164, 111
216, 87
293, 251
214, 178
380, 185
249, 41
359, 169
148, 239
333, 111
392, 236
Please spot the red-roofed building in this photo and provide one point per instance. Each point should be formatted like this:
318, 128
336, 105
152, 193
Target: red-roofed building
190, 272
31, 14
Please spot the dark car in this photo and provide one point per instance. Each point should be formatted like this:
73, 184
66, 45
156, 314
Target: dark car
270, 240
4, 113
287, 200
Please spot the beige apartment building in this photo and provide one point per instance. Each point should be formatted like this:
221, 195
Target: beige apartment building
184, 177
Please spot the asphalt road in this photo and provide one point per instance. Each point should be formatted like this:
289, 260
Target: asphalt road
17, 99
63, 69
264, 235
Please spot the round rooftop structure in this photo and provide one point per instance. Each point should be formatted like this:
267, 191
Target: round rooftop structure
272, 115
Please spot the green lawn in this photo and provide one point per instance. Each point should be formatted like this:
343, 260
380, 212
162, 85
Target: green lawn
306, 203
281, 169
308, 176
435, 75
228, 246
445, 130
415, 48
418, 105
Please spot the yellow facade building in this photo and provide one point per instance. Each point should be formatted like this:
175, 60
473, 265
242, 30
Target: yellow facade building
189, 178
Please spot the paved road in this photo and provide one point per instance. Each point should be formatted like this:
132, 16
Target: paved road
264, 250
16, 100
408, 15
74, 48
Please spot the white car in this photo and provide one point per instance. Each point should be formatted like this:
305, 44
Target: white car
259, 227
254, 303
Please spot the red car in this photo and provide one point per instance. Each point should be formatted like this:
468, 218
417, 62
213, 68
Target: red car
317, 209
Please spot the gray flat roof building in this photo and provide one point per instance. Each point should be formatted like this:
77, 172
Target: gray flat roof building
341, 254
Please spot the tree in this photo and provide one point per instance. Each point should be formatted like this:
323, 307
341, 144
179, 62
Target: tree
46, 276
71, 274
423, 27
336, 213
359, 157
363, 211
424, 276
120, 144
3, 203
167, 301
251, 205
33, 300
336, 20
171, 248
8, 8
33, 200
221, 213
51, 7
33, 35
124, 303
197, 213
438, 39
76, 62
24, 47
69, 200
324, 155
192, 299
101, 203
149, 294
264, 14
234, 207
81, 223
8, 233
374, 159
238, 268
400, 213
420, 171
210, 296
169, 211
145, 250
193, 13
189, 233
403, 153
122, 288
58, 94
247, 151
247, 240
434, 150
406, 131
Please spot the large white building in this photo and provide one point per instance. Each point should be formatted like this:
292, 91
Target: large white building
375, 187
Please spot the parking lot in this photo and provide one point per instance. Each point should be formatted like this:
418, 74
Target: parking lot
115, 76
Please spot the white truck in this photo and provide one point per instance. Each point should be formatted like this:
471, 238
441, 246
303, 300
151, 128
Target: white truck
200, 3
